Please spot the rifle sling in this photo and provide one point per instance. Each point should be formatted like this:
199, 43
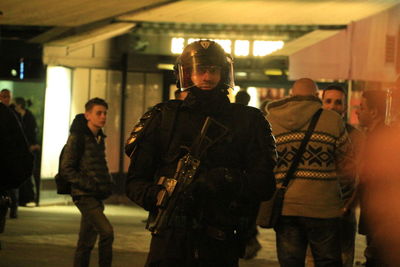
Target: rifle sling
300, 152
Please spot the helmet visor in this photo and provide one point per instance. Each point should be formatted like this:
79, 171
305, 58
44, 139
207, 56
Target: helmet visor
206, 76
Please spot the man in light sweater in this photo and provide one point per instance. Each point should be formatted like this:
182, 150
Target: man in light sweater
313, 202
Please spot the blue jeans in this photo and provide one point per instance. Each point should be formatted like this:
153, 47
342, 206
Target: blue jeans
294, 233
93, 223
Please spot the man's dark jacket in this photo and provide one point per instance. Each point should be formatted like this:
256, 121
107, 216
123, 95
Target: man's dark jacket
30, 127
83, 162
16, 162
235, 174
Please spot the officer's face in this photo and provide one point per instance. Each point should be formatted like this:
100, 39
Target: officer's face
96, 116
334, 100
206, 77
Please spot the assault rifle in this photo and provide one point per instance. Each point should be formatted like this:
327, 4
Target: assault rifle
186, 170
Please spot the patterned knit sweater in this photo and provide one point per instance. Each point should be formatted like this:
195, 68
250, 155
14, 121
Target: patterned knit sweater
314, 191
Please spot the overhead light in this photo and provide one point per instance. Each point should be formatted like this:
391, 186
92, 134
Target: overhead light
240, 74
273, 72
163, 66
177, 45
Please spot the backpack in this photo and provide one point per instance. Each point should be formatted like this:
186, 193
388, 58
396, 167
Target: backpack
62, 184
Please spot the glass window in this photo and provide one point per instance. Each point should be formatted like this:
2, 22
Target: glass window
242, 48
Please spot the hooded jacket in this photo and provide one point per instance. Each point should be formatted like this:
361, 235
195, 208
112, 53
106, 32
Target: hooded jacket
84, 163
314, 190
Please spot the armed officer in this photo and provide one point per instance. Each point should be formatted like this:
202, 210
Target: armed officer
213, 217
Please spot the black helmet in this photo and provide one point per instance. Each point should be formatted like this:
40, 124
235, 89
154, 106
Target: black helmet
203, 53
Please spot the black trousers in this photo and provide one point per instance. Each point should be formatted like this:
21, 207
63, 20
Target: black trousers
93, 223
4, 203
14, 196
189, 248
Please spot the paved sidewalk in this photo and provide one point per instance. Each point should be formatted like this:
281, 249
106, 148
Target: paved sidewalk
46, 237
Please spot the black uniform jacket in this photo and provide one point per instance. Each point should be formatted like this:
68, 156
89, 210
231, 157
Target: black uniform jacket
249, 147
83, 162
235, 174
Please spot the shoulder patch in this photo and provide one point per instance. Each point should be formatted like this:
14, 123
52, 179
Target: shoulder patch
139, 129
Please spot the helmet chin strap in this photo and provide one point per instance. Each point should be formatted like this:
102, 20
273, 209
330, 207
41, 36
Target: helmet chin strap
221, 87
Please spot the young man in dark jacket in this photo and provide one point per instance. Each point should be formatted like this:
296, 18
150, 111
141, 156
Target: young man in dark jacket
84, 165
213, 218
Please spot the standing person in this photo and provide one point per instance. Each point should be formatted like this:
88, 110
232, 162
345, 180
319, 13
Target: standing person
253, 246
334, 98
211, 222
242, 97
371, 116
26, 192
15, 159
83, 164
313, 205
5, 98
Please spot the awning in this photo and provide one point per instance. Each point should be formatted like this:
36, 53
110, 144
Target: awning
90, 37
325, 55
367, 50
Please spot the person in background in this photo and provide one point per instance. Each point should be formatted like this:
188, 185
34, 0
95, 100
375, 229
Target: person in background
5, 98
253, 246
334, 98
27, 196
375, 184
83, 164
16, 161
242, 97
313, 205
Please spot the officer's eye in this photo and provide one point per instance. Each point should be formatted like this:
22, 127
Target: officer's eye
209, 69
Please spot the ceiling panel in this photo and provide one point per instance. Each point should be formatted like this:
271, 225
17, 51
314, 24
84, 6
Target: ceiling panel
295, 12
68, 12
